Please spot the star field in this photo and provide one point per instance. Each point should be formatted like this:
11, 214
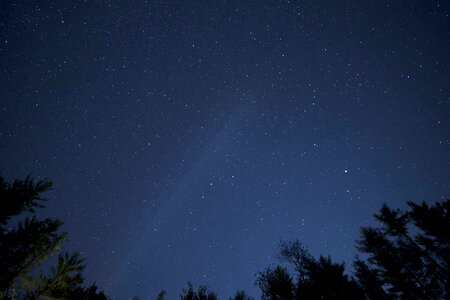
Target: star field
186, 138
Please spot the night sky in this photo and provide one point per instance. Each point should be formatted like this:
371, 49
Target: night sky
185, 139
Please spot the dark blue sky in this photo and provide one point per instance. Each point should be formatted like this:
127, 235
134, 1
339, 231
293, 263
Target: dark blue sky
186, 138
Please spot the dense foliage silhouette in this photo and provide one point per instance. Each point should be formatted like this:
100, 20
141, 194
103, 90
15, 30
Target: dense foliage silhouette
314, 278
408, 255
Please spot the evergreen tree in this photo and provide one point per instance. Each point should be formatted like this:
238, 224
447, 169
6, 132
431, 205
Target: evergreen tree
26, 243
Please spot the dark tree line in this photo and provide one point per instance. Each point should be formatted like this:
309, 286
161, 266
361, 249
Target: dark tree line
407, 257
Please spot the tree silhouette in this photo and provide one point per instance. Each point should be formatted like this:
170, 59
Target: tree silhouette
276, 283
315, 278
20, 196
25, 244
409, 255
202, 293
241, 295
88, 293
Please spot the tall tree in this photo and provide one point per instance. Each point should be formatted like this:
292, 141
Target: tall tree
26, 243
408, 255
